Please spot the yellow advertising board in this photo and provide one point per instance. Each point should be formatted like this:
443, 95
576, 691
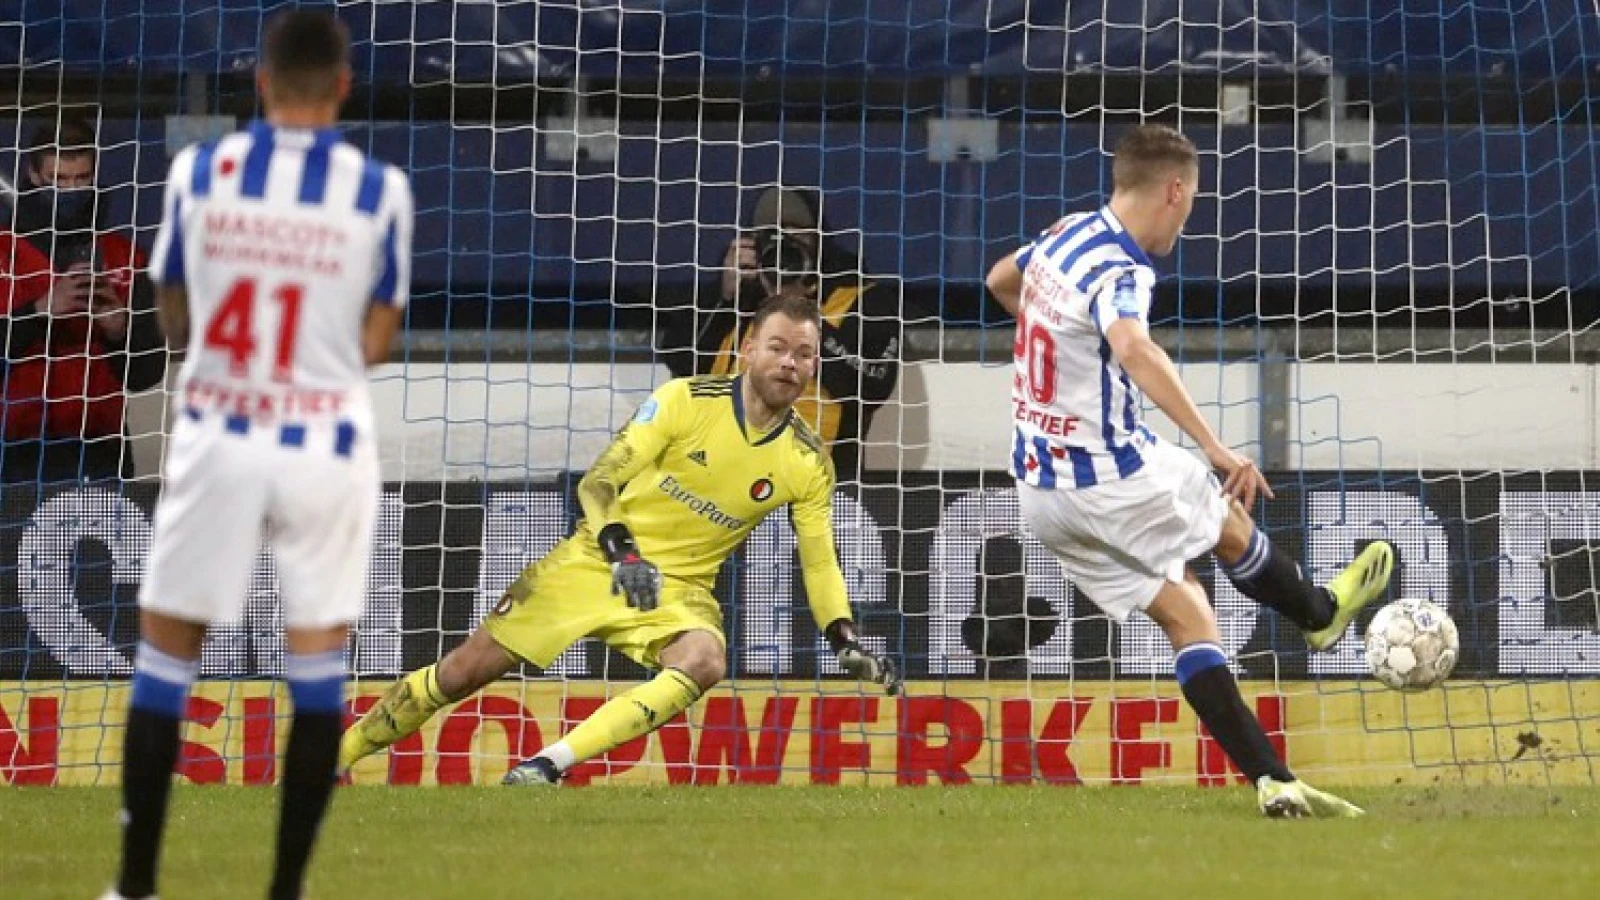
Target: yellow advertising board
1124, 732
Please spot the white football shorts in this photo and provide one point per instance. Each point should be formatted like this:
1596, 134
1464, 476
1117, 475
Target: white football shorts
1119, 540
311, 492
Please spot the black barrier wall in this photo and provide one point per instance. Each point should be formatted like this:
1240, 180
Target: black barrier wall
936, 564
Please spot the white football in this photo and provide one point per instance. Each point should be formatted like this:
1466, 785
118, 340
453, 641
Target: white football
1412, 645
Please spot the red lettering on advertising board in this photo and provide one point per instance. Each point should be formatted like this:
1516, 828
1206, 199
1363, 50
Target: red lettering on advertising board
964, 733
32, 761
260, 740
197, 762
1051, 754
830, 753
725, 743
1130, 753
455, 736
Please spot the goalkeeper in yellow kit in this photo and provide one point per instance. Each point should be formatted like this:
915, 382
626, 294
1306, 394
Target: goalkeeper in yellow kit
702, 463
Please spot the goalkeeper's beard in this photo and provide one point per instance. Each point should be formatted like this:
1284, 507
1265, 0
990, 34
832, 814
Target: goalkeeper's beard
776, 394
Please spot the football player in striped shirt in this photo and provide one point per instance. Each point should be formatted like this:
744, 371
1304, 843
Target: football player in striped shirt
1124, 511
289, 252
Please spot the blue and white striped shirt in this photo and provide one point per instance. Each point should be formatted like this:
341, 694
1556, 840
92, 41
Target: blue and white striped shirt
1076, 413
282, 237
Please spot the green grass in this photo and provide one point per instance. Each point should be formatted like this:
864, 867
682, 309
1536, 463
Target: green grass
483, 843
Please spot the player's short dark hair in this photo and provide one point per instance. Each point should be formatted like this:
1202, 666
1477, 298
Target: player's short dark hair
62, 134
304, 50
1150, 154
796, 306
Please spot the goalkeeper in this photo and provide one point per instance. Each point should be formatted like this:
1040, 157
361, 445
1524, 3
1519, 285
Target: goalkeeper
702, 463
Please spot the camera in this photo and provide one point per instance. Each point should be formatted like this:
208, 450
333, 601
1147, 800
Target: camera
784, 258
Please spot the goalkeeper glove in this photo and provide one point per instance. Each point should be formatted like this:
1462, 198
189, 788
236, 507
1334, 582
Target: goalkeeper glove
633, 576
859, 661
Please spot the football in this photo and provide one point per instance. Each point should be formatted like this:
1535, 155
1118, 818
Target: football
1412, 645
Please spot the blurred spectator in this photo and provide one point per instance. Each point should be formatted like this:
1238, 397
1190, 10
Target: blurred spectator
788, 246
78, 328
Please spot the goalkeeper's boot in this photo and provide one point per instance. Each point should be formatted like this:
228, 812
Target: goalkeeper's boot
1361, 582
113, 895
536, 772
1298, 800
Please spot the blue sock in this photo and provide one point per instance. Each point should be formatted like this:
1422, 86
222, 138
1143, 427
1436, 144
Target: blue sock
1213, 694
316, 681
161, 682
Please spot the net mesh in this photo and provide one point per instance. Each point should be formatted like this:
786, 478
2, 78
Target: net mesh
1386, 295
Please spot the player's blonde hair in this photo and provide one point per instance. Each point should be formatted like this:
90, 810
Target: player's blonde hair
1149, 155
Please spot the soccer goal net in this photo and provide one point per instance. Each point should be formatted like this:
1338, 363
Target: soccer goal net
1386, 295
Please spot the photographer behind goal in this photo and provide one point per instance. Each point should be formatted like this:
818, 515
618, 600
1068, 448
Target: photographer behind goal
789, 248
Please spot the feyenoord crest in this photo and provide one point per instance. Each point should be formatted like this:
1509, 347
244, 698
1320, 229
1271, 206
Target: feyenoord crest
761, 490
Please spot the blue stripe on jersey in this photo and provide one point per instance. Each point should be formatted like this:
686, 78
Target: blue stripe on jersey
1025, 255
1129, 420
257, 163
344, 437
1098, 272
200, 178
314, 177
1066, 235
390, 279
1047, 463
1127, 458
1082, 467
172, 267
371, 192
1019, 455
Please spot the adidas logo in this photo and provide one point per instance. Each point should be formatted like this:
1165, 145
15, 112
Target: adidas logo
698, 457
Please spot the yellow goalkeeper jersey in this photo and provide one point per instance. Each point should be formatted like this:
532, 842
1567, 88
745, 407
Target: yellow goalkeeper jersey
693, 480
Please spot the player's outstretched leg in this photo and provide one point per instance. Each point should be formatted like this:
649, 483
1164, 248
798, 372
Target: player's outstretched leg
1268, 576
161, 683
410, 702
1208, 685
693, 663
316, 688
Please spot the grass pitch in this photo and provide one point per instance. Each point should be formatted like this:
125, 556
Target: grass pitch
702, 843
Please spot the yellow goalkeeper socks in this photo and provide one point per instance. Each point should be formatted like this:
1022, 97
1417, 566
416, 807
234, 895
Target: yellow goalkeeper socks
625, 717
399, 712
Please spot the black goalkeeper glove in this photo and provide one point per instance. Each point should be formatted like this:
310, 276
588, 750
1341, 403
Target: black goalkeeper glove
859, 661
632, 576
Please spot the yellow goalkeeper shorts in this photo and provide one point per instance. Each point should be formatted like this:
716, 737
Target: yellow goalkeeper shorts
566, 596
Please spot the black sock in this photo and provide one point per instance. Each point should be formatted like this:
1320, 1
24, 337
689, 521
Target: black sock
149, 754
150, 751
1214, 695
308, 767
1268, 576
316, 686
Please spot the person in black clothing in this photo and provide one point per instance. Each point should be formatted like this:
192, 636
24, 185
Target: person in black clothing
78, 324
788, 248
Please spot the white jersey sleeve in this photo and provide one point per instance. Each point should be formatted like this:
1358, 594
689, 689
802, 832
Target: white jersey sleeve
393, 265
166, 254
1124, 294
